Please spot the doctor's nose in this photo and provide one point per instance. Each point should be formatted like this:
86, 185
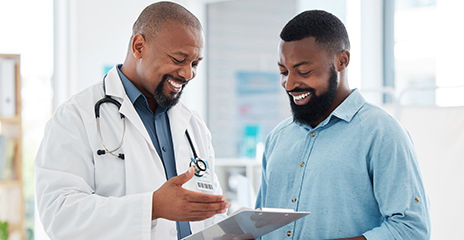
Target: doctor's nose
187, 72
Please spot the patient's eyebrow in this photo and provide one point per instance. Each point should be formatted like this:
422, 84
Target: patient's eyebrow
296, 65
302, 63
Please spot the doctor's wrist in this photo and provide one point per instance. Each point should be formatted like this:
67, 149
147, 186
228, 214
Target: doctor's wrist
153, 209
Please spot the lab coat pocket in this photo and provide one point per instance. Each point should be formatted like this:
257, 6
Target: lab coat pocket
110, 179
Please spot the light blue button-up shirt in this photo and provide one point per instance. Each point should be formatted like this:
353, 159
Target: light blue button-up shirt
356, 172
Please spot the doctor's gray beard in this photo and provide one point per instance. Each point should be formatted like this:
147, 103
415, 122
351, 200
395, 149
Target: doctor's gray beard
163, 100
317, 106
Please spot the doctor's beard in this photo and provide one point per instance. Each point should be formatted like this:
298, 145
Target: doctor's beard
167, 101
317, 106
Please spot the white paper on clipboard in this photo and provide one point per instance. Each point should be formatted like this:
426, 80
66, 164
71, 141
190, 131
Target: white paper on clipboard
248, 224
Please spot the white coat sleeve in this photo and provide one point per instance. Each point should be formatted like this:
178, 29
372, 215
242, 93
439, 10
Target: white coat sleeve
67, 204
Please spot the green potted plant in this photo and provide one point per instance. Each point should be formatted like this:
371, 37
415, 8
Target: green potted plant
3, 230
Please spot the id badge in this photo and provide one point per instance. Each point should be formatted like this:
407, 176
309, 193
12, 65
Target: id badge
205, 182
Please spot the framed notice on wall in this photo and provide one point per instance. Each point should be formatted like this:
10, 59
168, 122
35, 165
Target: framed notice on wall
258, 106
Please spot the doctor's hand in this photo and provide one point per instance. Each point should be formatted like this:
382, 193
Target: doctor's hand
175, 203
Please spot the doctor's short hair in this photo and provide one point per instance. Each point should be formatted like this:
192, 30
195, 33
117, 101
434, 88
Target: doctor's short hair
153, 17
326, 28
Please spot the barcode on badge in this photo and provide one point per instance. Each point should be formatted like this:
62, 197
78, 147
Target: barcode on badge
205, 186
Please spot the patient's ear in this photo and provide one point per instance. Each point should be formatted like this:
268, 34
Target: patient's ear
342, 59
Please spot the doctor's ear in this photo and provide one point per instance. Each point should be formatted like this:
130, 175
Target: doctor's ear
137, 45
342, 59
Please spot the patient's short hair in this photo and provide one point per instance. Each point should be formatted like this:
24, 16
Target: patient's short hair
326, 28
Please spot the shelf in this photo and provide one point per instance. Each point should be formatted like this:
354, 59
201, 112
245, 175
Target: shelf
15, 119
11, 127
10, 183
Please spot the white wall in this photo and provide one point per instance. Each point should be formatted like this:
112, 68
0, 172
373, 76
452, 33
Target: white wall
450, 37
438, 139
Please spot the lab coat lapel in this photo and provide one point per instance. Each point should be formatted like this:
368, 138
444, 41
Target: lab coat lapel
179, 119
115, 88
143, 166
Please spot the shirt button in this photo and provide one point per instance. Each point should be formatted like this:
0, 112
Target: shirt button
293, 199
289, 233
313, 134
302, 164
164, 149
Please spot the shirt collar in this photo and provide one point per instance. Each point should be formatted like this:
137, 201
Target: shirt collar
345, 111
133, 92
350, 106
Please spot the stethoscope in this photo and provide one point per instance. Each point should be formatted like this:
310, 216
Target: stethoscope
198, 164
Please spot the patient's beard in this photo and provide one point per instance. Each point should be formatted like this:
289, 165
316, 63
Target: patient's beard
318, 106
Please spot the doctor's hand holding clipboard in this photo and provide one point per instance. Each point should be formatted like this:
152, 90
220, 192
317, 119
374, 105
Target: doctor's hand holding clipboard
175, 203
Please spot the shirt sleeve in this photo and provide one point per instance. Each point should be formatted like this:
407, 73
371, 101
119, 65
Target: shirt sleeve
260, 200
398, 187
262, 188
67, 203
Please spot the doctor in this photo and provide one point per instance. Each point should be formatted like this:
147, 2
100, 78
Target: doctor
116, 177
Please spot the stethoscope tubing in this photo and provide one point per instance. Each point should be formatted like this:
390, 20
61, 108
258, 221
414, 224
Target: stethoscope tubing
199, 164
112, 152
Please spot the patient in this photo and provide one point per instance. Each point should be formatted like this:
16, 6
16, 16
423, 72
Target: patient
348, 162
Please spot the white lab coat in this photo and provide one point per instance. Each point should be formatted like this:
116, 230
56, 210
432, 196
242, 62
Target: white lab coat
82, 195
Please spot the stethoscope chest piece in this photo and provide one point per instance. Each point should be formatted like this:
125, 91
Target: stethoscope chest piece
199, 166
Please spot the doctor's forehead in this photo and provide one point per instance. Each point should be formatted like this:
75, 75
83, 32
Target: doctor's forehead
180, 39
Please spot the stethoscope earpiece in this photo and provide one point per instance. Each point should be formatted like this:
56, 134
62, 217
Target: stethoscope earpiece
103, 152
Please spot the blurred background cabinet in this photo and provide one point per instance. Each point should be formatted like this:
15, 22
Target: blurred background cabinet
240, 179
11, 179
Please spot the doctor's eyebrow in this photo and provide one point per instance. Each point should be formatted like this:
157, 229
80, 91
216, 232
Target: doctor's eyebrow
186, 55
182, 54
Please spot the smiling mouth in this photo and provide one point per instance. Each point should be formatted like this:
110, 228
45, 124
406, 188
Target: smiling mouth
301, 96
175, 85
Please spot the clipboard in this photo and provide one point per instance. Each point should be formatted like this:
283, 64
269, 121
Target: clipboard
248, 224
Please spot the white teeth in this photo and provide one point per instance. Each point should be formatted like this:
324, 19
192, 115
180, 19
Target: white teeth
299, 97
176, 85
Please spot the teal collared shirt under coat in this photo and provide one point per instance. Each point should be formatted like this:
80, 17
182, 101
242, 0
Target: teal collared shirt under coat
157, 125
356, 172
